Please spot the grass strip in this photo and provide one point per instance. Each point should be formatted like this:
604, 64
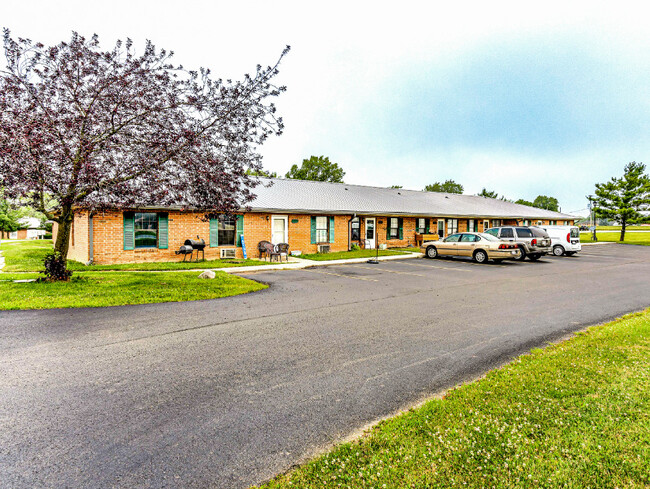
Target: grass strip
344, 255
97, 289
576, 414
28, 256
630, 237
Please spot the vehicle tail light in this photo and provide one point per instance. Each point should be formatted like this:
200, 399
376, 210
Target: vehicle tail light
533, 242
506, 247
568, 237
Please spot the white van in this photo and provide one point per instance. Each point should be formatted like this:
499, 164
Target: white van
565, 240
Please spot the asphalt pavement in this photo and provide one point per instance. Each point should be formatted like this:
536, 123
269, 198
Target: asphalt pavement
229, 392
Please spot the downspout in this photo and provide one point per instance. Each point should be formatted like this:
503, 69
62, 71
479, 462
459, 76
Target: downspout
90, 239
350, 231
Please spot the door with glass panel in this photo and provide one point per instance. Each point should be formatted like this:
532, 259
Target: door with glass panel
441, 228
279, 229
370, 232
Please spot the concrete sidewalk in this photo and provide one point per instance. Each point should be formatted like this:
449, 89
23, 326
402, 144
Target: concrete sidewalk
298, 263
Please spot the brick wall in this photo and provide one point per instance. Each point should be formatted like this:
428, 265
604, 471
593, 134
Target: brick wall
108, 235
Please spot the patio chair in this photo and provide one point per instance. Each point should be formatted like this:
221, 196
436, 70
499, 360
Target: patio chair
262, 247
283, 249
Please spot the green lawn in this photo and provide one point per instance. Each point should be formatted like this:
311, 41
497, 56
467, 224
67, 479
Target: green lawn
97, 289
27, 256
618, 228
576, 414
343, 255
630, 237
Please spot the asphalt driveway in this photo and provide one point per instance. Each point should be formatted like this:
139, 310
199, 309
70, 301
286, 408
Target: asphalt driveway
227, 393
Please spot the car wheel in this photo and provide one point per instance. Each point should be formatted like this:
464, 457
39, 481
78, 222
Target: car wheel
432, 252
534, 257
480, 256
522, 256
558, 250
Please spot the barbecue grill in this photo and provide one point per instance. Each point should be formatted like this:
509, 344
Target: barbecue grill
198, 245
185, 250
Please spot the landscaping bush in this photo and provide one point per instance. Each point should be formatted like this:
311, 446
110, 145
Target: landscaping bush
355, 247
55, 268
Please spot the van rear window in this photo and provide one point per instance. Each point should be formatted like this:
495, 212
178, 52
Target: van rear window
575, 233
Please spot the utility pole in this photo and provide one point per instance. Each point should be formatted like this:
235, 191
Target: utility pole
592, 218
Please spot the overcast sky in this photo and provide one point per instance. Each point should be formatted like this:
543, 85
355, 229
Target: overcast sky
522, 100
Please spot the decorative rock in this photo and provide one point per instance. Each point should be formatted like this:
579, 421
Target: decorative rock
208, 274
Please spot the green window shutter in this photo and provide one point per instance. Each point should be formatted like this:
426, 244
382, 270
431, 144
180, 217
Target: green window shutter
214, 233
240, 229
129, 231
426, 226
313, 229
388, 228
163, 231
331, 229
400, 223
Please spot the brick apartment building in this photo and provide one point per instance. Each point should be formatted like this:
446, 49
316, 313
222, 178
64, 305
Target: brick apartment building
310, 216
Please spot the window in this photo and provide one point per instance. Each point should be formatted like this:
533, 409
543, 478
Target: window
322, 229
421, 225
552, 223
471, 226
494, 232
526, 222
496, 223
227, 230
146, 229
507, 233
452, 226
393, 230
524, 233
355, 233
453, 238
469, 238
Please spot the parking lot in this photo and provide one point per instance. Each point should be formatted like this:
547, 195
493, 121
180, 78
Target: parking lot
229, 392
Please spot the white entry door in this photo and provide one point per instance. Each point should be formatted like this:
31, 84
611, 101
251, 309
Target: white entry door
371, 232
279, 229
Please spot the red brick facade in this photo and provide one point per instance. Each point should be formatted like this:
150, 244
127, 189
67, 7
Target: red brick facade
108, 235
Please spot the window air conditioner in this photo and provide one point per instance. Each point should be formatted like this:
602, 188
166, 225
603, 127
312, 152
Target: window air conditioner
228, 253
324, 248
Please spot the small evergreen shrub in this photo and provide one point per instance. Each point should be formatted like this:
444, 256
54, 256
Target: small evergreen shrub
355, 247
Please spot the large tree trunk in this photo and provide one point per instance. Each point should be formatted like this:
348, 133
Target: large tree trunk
63, 235
623, 223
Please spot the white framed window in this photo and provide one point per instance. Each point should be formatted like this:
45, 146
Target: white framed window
421, 225
452, 226
496, 223
471, 226
322, 229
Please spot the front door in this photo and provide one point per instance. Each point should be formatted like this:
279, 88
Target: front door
371, 233
279, 229
441, 228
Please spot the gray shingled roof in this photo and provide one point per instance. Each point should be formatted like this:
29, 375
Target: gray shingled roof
285, 195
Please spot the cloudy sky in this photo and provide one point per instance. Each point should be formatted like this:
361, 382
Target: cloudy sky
521, 100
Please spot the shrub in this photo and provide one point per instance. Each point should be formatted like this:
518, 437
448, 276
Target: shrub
355, 247
55, 268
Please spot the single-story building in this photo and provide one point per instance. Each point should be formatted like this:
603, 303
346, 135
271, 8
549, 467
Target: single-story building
30, 228
310, 216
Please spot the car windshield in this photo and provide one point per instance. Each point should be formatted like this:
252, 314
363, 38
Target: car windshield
524, 233
539, 232
489, 237
494, 232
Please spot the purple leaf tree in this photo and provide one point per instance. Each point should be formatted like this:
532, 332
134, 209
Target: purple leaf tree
82, 128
